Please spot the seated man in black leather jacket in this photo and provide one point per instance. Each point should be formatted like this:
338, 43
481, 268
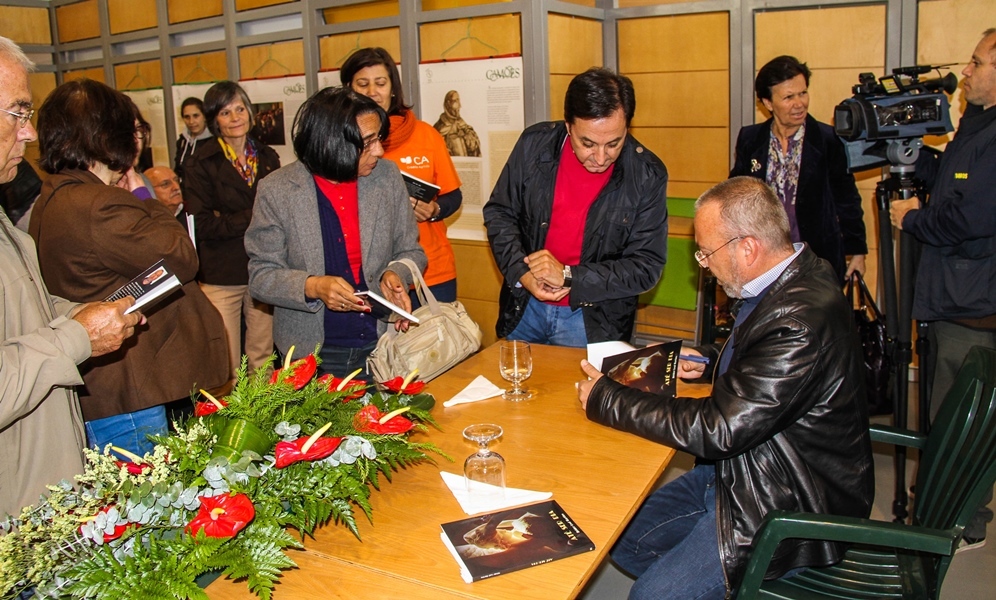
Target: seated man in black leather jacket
786, 426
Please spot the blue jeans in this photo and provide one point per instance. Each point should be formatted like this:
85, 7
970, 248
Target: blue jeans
671, 546
129, 430
341, 361
544, 323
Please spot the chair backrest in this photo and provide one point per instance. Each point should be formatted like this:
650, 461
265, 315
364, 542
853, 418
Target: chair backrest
958, 463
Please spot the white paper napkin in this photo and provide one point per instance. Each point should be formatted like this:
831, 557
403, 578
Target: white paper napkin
479, 389
473, 506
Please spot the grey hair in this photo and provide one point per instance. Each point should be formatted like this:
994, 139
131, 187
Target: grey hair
11, 51
749, 207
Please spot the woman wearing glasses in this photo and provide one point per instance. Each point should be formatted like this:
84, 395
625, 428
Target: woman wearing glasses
94, 234
329, 225
219, 188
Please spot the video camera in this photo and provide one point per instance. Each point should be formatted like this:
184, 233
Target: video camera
885, 121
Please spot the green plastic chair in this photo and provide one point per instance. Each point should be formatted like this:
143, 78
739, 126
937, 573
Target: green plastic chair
895, 560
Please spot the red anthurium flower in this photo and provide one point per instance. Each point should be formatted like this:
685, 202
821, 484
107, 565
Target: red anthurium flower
203, 409
133, 468
118, 529
370, 420
300, 372
398, 386
222, 516
288, 453
353, 389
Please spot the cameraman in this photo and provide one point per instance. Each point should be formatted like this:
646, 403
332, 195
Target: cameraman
956, 282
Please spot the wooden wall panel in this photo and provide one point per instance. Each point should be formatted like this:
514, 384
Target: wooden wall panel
181, 11
138, 75
480, 37
42, 85
682, 99
26, 25
442, 4
200, 68
359, 12
250, 4
690, 153
96, 74
584, 38
131, 15
478, 284
78, 21
335, 49
698, 42
271, 60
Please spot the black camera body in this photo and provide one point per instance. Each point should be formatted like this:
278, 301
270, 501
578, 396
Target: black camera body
886, 119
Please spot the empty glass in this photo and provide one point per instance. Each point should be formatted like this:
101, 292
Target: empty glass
484, 471
516, 365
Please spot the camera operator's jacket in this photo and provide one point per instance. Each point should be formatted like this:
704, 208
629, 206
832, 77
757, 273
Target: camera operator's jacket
786, 424
624, 246
957, 273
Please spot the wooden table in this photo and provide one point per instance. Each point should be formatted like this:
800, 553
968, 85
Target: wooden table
600, 476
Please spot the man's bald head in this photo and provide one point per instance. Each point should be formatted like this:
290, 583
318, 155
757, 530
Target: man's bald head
167, 187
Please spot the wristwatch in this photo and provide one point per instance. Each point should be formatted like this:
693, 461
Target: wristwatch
567, 276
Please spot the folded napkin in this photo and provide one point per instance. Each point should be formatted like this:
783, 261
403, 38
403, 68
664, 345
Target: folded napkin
479, 389
473, 506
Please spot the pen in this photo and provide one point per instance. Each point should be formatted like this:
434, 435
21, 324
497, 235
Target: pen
694, 358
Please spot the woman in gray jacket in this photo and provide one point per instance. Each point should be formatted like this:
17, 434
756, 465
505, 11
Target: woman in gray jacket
331, 225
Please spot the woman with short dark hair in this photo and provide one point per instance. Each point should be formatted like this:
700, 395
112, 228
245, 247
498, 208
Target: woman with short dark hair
806, 164
195, 131
418, 150
329, 225
93, 237
219, 189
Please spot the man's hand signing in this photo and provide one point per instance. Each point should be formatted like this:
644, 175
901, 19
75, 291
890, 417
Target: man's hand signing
584, 386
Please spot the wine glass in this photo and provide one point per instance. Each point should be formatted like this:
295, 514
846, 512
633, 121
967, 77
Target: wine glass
516, 365
484, 471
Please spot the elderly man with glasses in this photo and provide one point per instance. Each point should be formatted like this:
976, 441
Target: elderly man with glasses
786, 425
44, 337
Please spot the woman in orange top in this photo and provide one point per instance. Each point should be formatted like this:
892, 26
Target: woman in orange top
418, 150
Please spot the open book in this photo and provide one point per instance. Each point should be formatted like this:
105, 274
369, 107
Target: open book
150, 285
652, 369
419, 188
513, 539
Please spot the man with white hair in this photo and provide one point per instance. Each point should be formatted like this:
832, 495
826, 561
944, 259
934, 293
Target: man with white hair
44, 336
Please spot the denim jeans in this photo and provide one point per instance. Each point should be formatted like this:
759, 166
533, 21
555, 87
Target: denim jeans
341, 361
671, 546
128, 431
544, 323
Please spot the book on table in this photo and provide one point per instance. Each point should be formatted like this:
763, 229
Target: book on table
513, 539
651, 369
148, 287
420, 189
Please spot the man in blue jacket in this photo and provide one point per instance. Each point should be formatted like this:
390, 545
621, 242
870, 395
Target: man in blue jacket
956, 282
578, 220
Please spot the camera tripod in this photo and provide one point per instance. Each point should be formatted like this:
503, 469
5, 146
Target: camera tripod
901, 185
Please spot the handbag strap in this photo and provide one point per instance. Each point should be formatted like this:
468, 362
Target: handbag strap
864, 296
425, 295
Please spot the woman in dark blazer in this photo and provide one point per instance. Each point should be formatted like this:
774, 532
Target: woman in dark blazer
93, 237
818, 193
219, 189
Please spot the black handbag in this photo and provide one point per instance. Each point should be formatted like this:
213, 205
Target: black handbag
871, 329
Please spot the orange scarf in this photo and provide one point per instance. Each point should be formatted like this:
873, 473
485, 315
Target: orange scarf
402, 127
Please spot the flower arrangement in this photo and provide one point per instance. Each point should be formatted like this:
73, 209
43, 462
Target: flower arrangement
222, 494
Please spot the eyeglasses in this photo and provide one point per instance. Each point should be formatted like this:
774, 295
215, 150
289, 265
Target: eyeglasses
702, 257
22, 117
165, 184
369, 143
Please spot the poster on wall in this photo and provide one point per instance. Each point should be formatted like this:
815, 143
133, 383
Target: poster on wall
276, 101
150, 104
180, 93
476, 105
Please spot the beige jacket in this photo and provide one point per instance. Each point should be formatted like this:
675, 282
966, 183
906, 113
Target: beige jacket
41, 428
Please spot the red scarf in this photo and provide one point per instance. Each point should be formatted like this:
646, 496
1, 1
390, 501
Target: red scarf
402, 128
